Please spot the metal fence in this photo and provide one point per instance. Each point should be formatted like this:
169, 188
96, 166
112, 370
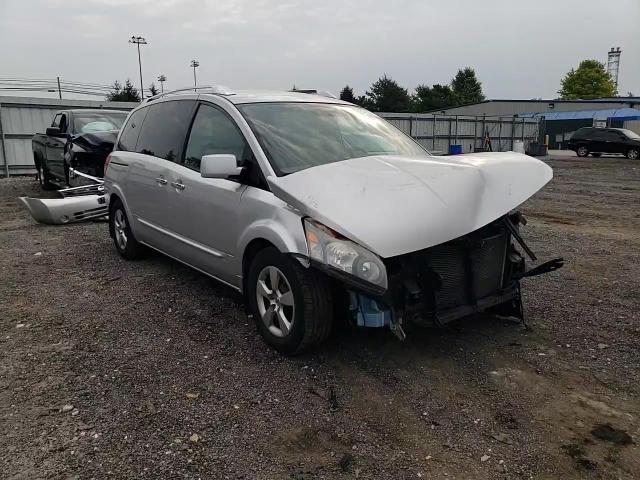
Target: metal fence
21, 118
438, 132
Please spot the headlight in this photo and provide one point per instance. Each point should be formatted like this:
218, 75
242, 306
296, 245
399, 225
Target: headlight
327, 247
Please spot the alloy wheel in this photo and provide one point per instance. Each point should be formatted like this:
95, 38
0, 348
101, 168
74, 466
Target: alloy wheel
633, 154
120, 225
582, 151
275, 301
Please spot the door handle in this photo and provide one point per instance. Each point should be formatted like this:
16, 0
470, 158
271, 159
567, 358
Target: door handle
178, 185
161, 181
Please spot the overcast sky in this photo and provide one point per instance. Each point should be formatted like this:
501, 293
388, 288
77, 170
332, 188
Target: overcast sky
519, 49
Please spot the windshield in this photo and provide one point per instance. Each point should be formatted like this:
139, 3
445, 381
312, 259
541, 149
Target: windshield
98, 122
630, 133
296, 136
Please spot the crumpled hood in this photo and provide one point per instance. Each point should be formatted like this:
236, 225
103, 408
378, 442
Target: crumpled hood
96, 141
394, 205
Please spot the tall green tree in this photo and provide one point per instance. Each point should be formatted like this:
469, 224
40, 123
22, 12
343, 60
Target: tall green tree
466, 87
590, 80
153, 90
432, 98
347, 95
126, 93
386, 95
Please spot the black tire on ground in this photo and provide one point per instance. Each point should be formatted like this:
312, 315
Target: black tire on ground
596, 155
66, 175
633, 154
582, 151
119, 229
45, 179
312, 297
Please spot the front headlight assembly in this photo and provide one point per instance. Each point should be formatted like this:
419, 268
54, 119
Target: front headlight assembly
344, 256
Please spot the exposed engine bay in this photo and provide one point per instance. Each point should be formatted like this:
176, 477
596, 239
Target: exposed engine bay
479, 272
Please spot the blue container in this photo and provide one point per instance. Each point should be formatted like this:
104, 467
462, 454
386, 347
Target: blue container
455, 149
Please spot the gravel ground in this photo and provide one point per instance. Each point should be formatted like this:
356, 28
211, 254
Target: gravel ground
147, 369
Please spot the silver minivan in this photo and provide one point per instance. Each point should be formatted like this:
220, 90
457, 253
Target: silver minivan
316, 209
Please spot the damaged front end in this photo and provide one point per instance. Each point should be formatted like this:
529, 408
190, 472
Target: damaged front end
477, 273
77, 204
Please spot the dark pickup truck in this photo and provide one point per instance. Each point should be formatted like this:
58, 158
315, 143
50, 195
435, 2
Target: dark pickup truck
73, 149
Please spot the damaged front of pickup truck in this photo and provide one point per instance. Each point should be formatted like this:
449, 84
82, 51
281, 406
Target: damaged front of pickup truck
422, 242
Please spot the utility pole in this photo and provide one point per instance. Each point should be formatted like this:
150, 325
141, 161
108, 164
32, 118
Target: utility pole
195, 64
162, 79
59, 90
139, 41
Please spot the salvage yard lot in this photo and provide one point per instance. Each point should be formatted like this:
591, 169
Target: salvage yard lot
114, 369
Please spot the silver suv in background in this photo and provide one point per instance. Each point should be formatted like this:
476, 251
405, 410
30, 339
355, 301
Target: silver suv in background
315, 208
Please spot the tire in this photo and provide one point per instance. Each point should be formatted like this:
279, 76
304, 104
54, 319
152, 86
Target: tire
633, 154
120, 230
582, 151
309, 316
45, 179
66, 175
596, 155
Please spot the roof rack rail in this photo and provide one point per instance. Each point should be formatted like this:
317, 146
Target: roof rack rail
212, 89
313, 91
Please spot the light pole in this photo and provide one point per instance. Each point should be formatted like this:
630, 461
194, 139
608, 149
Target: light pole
162, 79
139, 41
194, 64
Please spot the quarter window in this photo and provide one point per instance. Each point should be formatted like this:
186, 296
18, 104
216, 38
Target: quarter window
164, 130
213, 132
131, 131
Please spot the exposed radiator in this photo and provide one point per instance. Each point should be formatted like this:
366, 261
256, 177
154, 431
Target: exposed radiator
469, 271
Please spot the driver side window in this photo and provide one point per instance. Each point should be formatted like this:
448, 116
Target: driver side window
213, 132
63, 123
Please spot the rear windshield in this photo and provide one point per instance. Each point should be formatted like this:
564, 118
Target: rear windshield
629, 133
98, 122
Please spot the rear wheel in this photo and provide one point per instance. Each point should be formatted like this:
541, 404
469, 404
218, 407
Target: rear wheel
292, 306
582, 151
633, 153
126, 244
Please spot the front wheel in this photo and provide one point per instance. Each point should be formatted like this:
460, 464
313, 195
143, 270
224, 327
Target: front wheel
292, 305
633, 153
45, 179
582, 151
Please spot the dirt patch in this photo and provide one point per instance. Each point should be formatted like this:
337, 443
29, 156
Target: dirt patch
114, 369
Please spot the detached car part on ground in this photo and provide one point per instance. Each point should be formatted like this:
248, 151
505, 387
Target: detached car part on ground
318, 210
76, 204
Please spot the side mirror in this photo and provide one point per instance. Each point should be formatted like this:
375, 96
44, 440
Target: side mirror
219, 166
53, 131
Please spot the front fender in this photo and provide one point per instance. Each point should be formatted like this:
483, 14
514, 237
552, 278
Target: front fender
287, 240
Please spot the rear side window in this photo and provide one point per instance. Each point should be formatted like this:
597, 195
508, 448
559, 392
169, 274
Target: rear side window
165, 129
582, 133
131, 130
213, 132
